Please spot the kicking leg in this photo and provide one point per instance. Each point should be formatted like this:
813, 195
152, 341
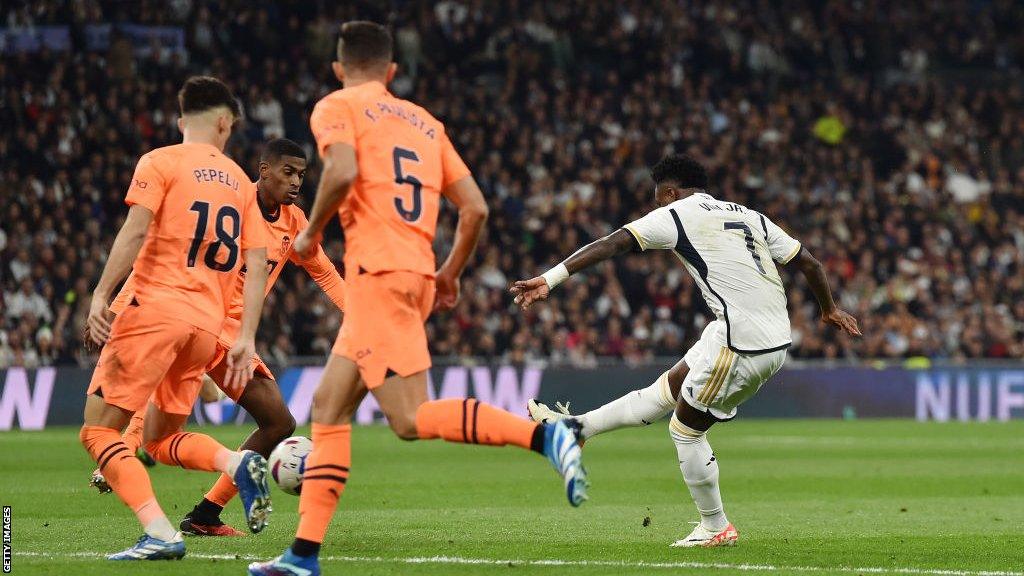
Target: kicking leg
637, 408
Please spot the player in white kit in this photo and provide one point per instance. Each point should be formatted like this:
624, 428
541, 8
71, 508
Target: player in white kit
731, 251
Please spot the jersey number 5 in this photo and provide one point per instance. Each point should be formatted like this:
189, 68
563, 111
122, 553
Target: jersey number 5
226, 236
409, 215
750, 241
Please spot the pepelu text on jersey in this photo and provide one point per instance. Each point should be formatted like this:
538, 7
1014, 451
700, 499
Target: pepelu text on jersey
214, 175
727, 208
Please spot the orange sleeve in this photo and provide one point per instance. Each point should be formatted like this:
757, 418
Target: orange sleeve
453, 168
332, 122
322, 271
148, 186
254, 232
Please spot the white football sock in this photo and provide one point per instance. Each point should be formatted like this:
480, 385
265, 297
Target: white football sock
637, 408
161, 529
700, 472
227, 461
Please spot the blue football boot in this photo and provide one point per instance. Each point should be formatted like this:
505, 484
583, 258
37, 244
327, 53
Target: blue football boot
150, 548
253, 490
287, 564
561, 446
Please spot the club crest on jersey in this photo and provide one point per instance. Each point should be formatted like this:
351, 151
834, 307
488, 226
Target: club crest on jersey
285, 243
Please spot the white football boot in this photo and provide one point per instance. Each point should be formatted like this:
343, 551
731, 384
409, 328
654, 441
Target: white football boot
705, 538
540, 413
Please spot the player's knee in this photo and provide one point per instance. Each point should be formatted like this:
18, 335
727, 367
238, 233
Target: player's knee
323, 398
404, 426
288, 425
157, 448
676, 375
85, 438
281, 427
682, 434
152, 446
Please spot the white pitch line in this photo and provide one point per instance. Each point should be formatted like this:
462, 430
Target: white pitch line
582, 563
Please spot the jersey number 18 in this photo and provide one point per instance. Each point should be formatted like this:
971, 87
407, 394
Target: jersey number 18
227, 236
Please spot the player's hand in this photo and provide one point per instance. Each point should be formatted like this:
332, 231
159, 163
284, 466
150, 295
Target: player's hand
97, 325
240, 366
306, 243
449, 289
87, 344
529, 291
842, 320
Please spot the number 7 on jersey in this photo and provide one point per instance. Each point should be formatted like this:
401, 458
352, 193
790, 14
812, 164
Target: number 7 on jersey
749, 237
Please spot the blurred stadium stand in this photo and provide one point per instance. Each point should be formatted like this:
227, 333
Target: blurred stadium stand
887, 136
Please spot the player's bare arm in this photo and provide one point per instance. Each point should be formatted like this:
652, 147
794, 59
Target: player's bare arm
240, 368
529, 291
466, 196
340, 171
814, 272
126, 248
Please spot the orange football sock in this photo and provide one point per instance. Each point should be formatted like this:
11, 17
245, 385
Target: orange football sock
469, 421
132, 436
191, 451
223, 491
324, 479
123, 471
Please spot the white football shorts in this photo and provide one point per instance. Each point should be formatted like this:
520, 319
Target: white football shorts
719, 379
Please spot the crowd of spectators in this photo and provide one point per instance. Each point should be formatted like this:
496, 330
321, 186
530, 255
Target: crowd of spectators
887, 136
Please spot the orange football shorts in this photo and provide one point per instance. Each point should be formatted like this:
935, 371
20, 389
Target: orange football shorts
152, 353
383, 329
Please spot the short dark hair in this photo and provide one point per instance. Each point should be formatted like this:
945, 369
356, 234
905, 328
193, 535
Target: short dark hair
681, 169
279, 147
202, 93
363, 44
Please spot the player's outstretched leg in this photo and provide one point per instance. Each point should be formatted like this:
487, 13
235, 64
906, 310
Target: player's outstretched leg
637, 408
699, 466
194, 451
469, 421
262, 400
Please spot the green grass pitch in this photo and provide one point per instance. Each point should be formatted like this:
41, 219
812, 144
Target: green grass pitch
808, 497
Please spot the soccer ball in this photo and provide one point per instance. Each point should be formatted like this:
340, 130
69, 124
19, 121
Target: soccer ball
288, 463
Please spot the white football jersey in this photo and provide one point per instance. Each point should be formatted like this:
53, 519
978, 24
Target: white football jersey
731, 252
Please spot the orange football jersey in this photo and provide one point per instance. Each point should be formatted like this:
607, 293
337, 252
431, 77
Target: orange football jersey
279, 230
405, 161
205, 215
